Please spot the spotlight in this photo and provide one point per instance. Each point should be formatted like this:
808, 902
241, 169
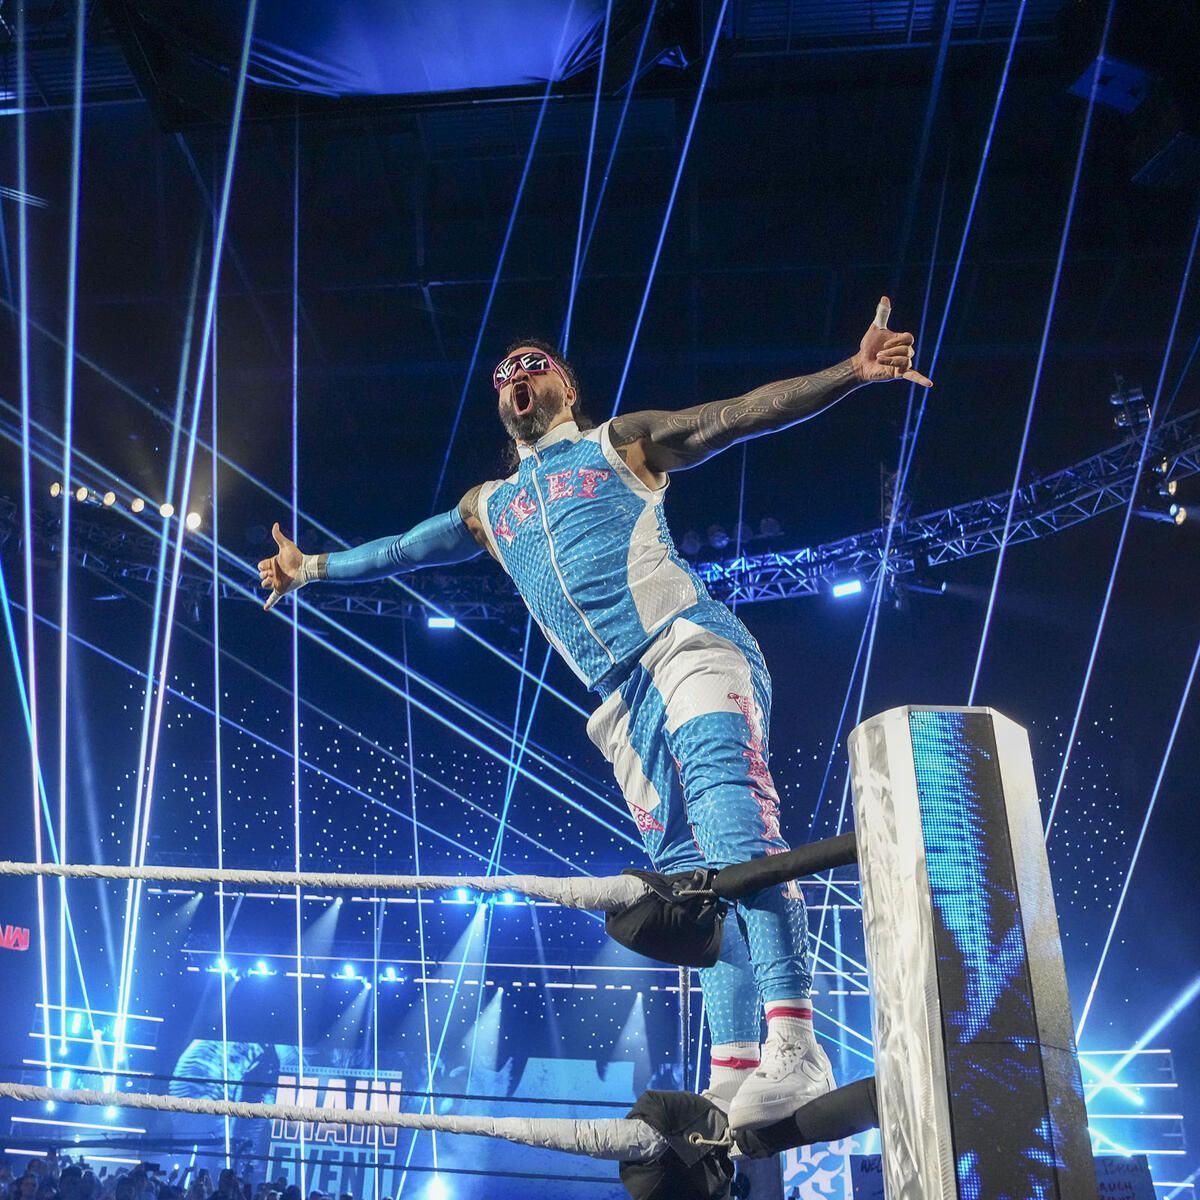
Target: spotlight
389, 974
1173, 513
137, 504
108, 499
508, 898
440, 622
1168, 487
166, 509
438, 1189
841, 588
192, 521
928, 587
81, 494
462, 895
366, 985
348, 971
110, 1113
50, 1106
56, 489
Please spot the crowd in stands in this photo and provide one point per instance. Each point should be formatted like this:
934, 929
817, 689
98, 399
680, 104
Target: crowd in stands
59, 1177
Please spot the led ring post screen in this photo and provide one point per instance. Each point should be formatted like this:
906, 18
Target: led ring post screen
978, 1082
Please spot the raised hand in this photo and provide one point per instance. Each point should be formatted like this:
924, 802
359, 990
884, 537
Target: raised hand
282, 573
883, 355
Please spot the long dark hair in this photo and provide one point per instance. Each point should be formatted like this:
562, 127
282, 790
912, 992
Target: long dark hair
512, 459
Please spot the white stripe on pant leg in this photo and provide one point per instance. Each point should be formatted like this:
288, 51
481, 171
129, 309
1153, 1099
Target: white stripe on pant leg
698, 672
608, 728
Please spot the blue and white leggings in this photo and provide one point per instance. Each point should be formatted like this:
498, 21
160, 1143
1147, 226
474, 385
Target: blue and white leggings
686, 734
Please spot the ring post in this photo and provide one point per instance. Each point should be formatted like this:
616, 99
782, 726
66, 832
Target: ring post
978, 1083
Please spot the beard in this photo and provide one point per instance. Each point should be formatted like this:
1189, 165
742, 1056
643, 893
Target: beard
531, 425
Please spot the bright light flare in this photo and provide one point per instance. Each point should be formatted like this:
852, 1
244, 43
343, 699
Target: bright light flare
166, 510
192, 521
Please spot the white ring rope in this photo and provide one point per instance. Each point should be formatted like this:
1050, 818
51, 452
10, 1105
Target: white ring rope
598, 894
613, 1138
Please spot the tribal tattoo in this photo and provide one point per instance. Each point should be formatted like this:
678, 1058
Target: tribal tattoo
673, 441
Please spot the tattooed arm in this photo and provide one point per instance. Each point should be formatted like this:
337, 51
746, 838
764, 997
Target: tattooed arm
655, 442
674, 441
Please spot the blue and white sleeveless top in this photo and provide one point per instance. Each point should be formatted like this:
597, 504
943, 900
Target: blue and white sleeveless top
587, 545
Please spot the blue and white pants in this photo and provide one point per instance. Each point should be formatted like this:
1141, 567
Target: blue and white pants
686, 734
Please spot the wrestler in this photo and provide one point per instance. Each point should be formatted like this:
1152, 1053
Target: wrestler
685, 695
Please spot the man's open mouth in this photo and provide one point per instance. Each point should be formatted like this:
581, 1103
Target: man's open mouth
522, 399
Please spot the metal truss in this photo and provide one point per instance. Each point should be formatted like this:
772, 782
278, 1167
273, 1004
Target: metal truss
105, 546
1043, 506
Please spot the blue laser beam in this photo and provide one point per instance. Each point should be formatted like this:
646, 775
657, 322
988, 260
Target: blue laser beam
6, 607
576, 266
35, 768
218, 779
662, 233
1019, 470
612, 150
68, 438
159, 585
871, 625
189, 462
295, 616
412, 792
1111, 1078
1120, 548
1137, 848
491, 296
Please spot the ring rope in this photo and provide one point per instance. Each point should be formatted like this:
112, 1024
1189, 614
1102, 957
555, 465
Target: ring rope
618, 1138
597, 893
248, 1081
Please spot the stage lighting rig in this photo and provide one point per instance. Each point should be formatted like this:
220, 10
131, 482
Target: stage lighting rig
1133, 410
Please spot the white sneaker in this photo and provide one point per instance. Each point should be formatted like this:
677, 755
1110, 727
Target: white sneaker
792, 1072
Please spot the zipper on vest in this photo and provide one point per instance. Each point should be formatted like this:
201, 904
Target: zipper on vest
562, 583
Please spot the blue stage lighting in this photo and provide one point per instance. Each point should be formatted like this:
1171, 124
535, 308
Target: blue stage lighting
462, 895
348, 971
440, 623
438, 1189
50, 1106
846, 587
389, 974
110, 1113
508, 898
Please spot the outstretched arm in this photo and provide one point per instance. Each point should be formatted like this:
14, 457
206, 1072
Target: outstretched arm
450, 537
673, 441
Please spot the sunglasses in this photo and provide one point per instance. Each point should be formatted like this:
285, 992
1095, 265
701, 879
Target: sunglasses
532, 362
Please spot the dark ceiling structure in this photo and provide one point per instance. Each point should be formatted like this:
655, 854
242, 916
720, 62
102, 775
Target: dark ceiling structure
438, 153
